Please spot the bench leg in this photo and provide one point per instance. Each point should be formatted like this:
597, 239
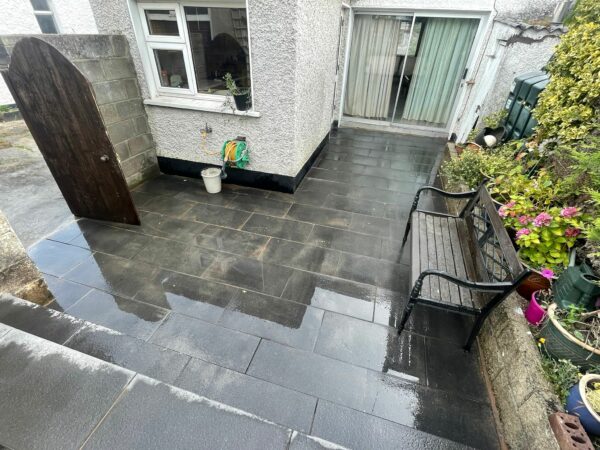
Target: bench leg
405, 315
475, 331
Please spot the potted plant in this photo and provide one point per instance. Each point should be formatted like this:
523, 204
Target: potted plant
572, 334
240, 96
536, 309
583, 401
577, 285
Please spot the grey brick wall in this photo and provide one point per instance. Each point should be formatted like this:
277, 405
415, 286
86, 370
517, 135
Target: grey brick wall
106, 62
18, 274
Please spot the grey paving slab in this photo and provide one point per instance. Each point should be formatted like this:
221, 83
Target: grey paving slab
238, 242
372, 346
333, 294
217, 215
321, 216
187, 421
116, 241
269, 401
300, 441
465, 421
222, 346
113, 274
66, 233
355, 205
358, 430
53, 396
37, 320
128, 352
65, 293
177, 256
289, 323
300, 256
282, 228
315, 375
249, 273
373, 271
375, 226
193, 296
56, 258
345, 241
170, 227
260, 204
127, 316
166, 205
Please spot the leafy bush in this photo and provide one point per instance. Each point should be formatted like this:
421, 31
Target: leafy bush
568, 109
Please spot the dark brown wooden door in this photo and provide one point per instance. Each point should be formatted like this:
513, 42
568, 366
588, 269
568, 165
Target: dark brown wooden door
59, 107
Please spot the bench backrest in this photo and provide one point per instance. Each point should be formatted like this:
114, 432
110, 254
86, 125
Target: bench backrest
493, 249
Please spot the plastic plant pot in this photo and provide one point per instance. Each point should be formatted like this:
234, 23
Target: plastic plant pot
578, 405
577, 286
212, 180
535, 313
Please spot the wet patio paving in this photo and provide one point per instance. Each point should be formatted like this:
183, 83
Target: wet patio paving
283, 305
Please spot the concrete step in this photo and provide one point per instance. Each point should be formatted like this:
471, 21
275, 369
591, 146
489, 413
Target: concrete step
62, 398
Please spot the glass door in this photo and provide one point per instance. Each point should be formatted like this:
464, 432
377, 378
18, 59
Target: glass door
406, 69
375, 65
436, 61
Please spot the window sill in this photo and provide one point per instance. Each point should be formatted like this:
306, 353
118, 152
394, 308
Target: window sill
198, 105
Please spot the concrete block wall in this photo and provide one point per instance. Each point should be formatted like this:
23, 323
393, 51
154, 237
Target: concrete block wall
18, 274
106, 62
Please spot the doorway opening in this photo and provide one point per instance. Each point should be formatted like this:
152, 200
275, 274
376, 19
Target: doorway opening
407, 69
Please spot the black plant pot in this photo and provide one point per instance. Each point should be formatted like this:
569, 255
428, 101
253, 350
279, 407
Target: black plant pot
242, 101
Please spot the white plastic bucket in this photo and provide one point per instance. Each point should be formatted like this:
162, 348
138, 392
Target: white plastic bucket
212, 179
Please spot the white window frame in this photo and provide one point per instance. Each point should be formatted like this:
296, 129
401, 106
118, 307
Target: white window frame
148, 43
49, 12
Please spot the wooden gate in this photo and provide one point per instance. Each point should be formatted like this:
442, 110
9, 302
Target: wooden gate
59, 107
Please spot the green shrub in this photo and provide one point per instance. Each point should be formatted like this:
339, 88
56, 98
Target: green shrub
568, 109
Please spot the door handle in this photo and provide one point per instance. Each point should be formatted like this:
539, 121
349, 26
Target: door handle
104, 158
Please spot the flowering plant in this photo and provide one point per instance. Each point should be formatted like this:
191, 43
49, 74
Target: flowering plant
544, 235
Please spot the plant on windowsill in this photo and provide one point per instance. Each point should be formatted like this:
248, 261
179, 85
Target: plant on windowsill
240, 96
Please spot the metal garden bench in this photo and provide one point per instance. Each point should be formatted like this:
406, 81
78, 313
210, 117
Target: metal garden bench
465, 263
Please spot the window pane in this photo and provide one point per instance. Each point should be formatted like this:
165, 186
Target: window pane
219, 42
171, 68
40, 5
47, 24
162, 22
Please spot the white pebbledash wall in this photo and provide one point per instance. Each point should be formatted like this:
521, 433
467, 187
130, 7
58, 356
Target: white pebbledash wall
16, 17
293, 49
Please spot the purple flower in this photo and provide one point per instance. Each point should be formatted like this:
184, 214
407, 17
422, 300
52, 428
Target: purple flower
569, 211
547, 273
524, 220
523, 232
572, 232
542, 220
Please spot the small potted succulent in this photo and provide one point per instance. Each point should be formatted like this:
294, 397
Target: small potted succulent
572, 334
240, 96
584, 401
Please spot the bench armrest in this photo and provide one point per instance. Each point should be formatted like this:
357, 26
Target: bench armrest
500, 286
415, 204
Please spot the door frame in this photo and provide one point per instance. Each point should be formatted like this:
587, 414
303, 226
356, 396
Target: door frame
485, 22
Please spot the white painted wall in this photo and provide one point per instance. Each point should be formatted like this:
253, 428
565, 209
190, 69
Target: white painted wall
16, 17
288, 40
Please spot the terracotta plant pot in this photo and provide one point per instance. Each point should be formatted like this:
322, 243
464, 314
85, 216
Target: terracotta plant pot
560, 344
535, 313
578, 405
534, 282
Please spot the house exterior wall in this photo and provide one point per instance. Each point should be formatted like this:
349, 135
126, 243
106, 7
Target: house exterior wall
16, 17
294, 106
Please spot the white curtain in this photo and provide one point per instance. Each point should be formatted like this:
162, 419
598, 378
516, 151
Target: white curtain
372, 63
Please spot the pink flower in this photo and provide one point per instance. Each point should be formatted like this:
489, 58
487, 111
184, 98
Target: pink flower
510, 204
569, 211
523, 232
572, 232
542, 220
502, 211
547, 273
524, 220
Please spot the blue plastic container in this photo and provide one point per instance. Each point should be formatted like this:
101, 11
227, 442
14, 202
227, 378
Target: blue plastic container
577, 405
